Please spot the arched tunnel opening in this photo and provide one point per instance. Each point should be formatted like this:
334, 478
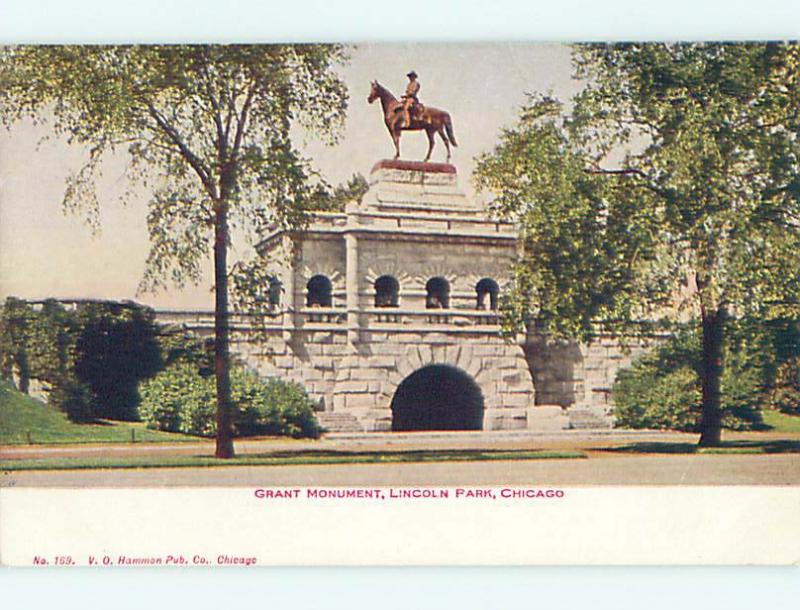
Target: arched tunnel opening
437, 397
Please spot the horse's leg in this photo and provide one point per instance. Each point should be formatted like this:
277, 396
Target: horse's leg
391, 127
396, 140
446, 142
431, 134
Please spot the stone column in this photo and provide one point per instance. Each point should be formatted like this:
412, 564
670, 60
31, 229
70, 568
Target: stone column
352, 285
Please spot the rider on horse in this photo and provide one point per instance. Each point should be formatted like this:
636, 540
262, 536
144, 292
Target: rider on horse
410, 100
408, 114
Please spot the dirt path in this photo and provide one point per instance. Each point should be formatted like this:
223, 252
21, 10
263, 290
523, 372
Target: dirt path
601, 468
568, 439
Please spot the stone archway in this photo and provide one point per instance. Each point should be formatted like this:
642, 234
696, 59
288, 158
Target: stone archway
437, 397
461, 357
367, 380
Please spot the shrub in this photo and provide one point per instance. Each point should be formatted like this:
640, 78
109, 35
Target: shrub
115, 349
786, 392
105, 346
178, 345
73, 398
180, 399
15, 321
670, 401
662, 389
743, 387
272, 407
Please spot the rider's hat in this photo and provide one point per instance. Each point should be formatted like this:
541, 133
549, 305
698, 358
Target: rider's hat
412, 74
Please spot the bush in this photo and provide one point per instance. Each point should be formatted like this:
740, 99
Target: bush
180, 399
272, 407
744, 384
786, 393
73, 398
105, 346
115, 349
662, 389
671, 401
178, 345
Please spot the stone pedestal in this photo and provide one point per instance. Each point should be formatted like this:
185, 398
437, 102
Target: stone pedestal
406, 186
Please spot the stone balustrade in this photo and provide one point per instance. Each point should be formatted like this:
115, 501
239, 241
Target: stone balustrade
312, 318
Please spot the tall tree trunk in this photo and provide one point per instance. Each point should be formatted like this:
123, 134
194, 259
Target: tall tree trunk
711, 420
222, 358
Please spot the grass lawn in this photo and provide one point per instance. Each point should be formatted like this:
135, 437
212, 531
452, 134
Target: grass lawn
284, 458
781, 422
26, 420
726, 448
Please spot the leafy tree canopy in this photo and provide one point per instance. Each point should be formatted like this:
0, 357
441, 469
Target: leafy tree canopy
708, 192
589, 243
702, 213
202, 125
325, 199
208, 130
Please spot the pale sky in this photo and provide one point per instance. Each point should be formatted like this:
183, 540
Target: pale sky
45, 253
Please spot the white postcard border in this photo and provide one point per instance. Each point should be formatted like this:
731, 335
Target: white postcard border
587, 526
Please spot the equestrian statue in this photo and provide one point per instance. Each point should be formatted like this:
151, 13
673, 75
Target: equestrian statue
408, 114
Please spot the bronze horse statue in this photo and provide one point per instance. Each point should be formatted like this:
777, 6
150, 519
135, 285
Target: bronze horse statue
432, 120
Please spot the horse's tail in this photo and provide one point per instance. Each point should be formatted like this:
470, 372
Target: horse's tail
448, 125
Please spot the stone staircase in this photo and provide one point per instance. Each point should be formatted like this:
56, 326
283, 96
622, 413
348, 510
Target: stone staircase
336, 421
589, 419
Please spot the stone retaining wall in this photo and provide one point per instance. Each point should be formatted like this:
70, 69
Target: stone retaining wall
579, 376
361, 379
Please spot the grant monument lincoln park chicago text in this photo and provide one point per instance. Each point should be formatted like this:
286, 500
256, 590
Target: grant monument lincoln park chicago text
387, 312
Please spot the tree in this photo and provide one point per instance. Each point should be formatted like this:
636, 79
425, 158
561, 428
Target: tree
116, 348
208, 130
15, 322
326, 200
703, 210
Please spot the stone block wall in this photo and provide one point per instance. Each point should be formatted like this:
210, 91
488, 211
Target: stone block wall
579, 376
361, 379
461, 263
538, 383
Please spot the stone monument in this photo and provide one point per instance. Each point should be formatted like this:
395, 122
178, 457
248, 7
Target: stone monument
387, 313
393, 304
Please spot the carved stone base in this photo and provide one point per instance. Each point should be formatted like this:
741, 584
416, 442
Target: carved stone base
413, 187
